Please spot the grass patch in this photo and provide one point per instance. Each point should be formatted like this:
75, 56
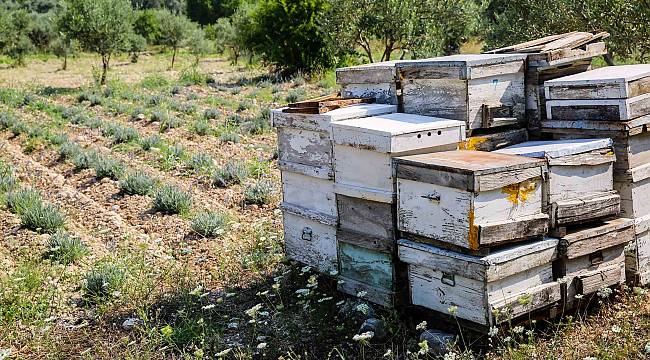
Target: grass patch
66, 248
19, 201
103, 281
137, 183
200, 162
152, 141
106, 167
172, 200
210, 224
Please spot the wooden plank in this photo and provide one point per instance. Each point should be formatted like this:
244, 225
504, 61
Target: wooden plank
418, 71
592, 158
366, 217
310, 242
309, 214
527, 44
382, 72
370, 293
315, 102
517, 305
312, 148
309, 192
321, 172
503, 179
590, 239
565, 56
567, 41
507, 231
366, 241
497, 91
592, 282
435, 97
383, 93
432, 176
574, 211
494, 141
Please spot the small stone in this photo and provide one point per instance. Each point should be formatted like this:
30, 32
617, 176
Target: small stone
376, 326
439, 342
130, 323
140, 117
115, 208
105, 180
233, 326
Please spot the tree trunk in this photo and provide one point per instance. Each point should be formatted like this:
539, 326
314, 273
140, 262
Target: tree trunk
173, 57
609, 59
65, 63
105, 60
366, 47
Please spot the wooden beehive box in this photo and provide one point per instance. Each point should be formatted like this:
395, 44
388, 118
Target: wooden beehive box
637, 255
552, 57
376, 80
363, 149
593, 257
634, 187
304, 143
631, 138
486, 290
494, 140
580, 183
470, 199
612, 93
484, 90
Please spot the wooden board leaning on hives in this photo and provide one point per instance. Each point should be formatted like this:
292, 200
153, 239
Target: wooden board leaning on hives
494, 140
324, 104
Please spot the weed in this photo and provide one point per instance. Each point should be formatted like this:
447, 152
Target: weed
137, 183
298, 81
159, 116
156, 100
44, 218
137, 113
8, 181
210, 224
244, 105
103, 281
257, 125
68, 113
259, 193
176, 150
84, 159
109, 128
66, 248
125, 134
154, 81
172, 200
191, 96
171, 122
7, 121
79, 119
176, 90
187, 108
200, 162
19, 127
230, 137
106, 167
69, 150
202, 127
37, 132
58, 139
150, 142
193, 76
21, 200
235, 90
233, 172
296, 95
233, 120
95, 123
211, 114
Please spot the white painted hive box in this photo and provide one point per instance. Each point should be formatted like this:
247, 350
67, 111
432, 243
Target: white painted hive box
608, 93
484, 90
304, 140
376, 80
634, 188
363, 149
637, 255
580, 183
470, 199
486, 290
310, 239
593, 257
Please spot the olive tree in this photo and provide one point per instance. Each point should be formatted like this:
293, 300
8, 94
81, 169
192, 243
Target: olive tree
197, 44
63, 46
174, 31
14, 35
100, 26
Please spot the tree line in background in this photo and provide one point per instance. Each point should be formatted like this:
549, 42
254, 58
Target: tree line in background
308, 35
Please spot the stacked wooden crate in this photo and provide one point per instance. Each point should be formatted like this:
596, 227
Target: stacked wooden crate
365, 188
549, 58
580, 199
612, 102
473, 234
375, 80
305, 161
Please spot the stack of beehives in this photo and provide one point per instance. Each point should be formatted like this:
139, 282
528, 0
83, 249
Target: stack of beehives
386, 200
612, 102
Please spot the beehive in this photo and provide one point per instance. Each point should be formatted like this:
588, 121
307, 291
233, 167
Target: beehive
634, 187
470, 199
637, 256
579, 186
486, 290
484, 91
376, 80
593, 257
612, 93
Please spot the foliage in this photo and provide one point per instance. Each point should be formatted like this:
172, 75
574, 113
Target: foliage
303, 45
103, 281
137, 44
197, 44
146, 24
234, 33
259, 193
209, 224
174, 30
208, 11
66, 248
137, 183
233, 172
63, 46
84, 159
8, 181
200, 162
41, 31
21, 200
41, 217
172, 200
15, 27
101, 26
106, 167
150, 142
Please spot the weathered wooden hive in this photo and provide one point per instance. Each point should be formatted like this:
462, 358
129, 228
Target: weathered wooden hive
579, 187
488, 290
611, 102
305, 161
549, 58
365, 188
592, 258
376, 80
484, 90
470, 199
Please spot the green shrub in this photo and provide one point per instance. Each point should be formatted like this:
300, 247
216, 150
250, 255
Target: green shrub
84, 159
44, 218
103, 281
137, 112
19, 127
95, 123
156, 100
244, 105
257, 125
233, 172
159, 116
66, 248
200, 162
211, 114
21, 200
7, 121
137, 183
296, 95
233, 120
177, 151
106, 167
171, 122
259, 193
172, 200
125, 134
69, 150
58, 139
210, 224
68, 113
176, 90
150, 142
201, 127
229, 136
187, 108
193, 76
8, 181
79, 119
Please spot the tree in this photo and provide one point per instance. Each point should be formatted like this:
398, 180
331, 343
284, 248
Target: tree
197, 44
235, 32
207, 12
42, 30
63, 46
14, 35
137, 44
286, 34
175, 6
100, 26
174, 31
146, 24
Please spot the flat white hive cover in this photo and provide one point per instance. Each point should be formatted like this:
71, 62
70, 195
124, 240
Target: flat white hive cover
464, 60
361, 110
395, 124
555, 148
605, 75
377, 65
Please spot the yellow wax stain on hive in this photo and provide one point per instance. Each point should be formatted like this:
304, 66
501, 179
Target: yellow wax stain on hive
519, 192
472, 143
472, 238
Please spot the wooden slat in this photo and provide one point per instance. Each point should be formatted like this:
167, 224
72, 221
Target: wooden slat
366, 241
576, 211
567, 42
522, 47
592, 282
506, 231
315, 102
373, 294
587, 240
520, 304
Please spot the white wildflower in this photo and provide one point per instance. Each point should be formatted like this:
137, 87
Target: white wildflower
229, 295
421, 326
340, 303
208, 307
363, 308
453, 310
579, 296
388, 353
275, 286
252, 312
312, 282
198, 290
261, 345
424, 347
616, 329
518, 329
604, 292
450, 356
639, 291
647, 348
493, 331
328, 298
363, 337
362, 294
507, 339
590, 358
302, 292
5, 353
530, 333
224, 352
340, 282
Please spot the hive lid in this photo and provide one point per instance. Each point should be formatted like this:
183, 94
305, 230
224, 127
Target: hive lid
464, 60
396, 124
603, 75
556, 148
322, 121
469, 162
610, 82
